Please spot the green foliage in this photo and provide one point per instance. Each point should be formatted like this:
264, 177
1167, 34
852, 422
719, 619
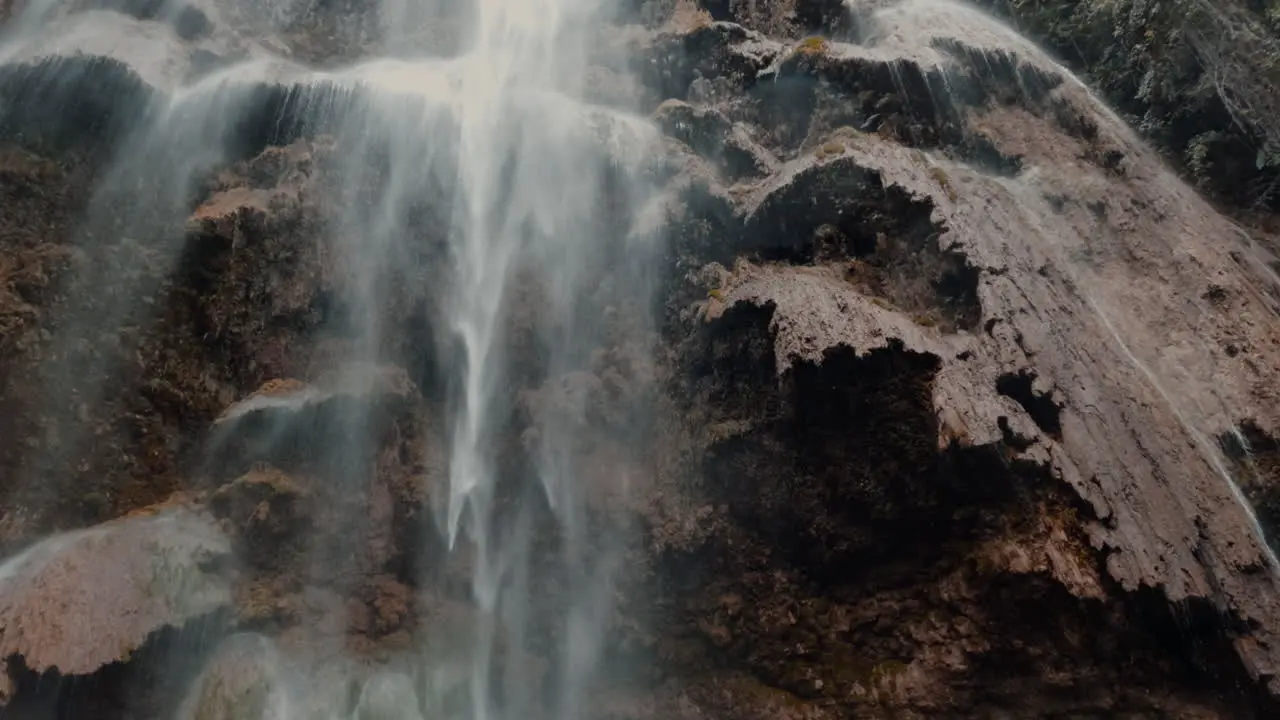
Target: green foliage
1199, 78
1200, 153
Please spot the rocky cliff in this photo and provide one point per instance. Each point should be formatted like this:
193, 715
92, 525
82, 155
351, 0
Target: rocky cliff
1197, 78
959, 403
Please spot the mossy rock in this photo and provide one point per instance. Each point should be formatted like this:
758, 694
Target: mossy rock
814, 45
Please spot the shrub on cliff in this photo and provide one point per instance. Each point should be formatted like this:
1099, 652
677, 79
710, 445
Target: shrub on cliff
1200, 79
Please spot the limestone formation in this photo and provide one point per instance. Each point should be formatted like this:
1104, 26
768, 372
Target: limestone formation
953, 399
78, 601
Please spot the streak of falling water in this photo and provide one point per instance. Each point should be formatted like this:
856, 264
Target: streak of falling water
516, 179
537, 185
521, 176
527, 194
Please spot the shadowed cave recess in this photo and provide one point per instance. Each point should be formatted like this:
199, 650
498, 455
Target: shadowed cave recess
619, 359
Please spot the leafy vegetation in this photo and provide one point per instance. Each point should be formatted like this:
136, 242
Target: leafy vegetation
1199, 78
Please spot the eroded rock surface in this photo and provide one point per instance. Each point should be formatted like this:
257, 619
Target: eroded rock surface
960, 403
81, 600
1010, 348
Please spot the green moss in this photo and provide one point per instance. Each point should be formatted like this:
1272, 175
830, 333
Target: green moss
886, 670
872, 676
847, 133
829, 149
814, 45
944, 181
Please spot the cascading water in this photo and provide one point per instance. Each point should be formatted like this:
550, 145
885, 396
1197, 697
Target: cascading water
529, 184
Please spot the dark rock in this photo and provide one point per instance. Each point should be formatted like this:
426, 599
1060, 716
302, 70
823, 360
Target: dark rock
712, 136
190, 22
268, 509
670, 61
80, 103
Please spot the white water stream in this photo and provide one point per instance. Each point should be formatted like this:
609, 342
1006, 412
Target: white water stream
529, 166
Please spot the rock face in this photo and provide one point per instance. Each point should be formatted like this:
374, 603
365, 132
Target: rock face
962, 404
1198, 78
974, 312
81, 600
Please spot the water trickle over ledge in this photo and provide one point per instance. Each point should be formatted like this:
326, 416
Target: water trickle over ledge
880, 371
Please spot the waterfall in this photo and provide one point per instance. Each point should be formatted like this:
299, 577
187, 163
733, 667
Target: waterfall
396, 366
531, 186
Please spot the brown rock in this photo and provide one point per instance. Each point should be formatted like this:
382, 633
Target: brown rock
1046, 335
269, 510
79, 600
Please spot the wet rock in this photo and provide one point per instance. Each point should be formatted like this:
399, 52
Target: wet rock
85, 103
787, 19
38, 194
358, 463
268, 509
188, 21
7, 686
79, 600
241, 681
712, 136
385, 607
1183, 123
388, 696
670, 62
926, 430
191, 22
997, 511
252, 677
1255, 460
380, 385
805, 281
285, 417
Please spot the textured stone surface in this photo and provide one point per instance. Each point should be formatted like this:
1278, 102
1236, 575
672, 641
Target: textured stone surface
79, 601
952, 387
